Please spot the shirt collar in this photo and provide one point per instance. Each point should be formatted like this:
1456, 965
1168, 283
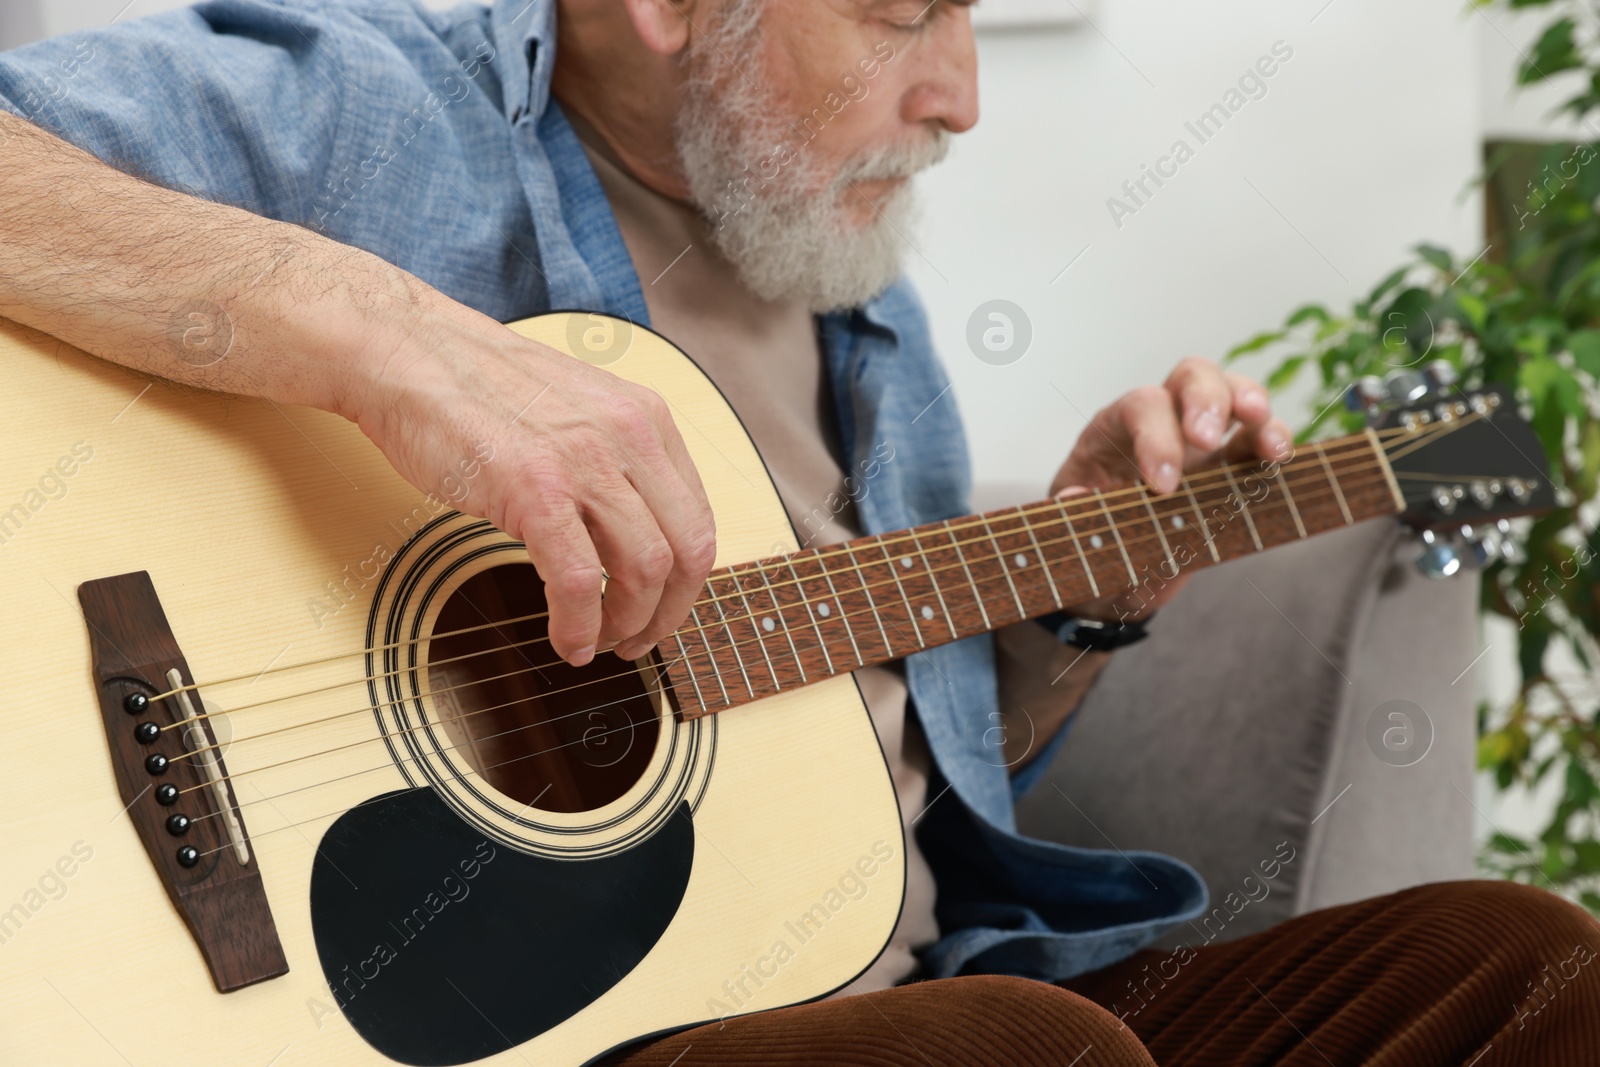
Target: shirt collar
525, 53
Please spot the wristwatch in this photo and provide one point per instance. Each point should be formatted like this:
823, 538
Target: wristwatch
1093, 635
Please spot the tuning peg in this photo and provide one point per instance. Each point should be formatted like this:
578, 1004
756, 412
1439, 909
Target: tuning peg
1404, 386
1484, 546
1510, 547
1440, 375
1439, 558
1365, 393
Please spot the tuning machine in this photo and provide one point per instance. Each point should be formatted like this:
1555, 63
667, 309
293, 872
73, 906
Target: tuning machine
1443, 555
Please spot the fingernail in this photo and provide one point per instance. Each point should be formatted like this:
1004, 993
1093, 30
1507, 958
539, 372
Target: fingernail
1166, 479
582, 656
1208, 428
1276, 443
1071, 491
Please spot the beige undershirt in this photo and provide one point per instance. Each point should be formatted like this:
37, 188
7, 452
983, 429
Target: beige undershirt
765, 357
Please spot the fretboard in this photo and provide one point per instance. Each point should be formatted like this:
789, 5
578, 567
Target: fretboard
775, 624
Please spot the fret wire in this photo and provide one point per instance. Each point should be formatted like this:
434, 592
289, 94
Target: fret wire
910, 614
1288, 498
805, 598
1156, 522
694, 613
1205, 527
872, 603
976, 595
1333, 480
1060, 504
1062, 541
709, 653
1244, 509
777, 609
933, 581
849, 631
1388, 468
683, 655
755, 628
1360, 445
1000, 557
737, 658
1044, 564
1133, 576
1083, 558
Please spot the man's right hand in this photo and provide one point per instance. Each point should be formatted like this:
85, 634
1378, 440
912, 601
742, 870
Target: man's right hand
587, 469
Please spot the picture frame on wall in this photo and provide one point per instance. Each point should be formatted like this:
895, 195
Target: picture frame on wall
1016, 14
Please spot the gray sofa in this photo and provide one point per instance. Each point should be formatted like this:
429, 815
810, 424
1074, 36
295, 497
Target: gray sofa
1283, 707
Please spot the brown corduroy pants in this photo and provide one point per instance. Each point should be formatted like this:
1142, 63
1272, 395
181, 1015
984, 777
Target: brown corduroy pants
1458, 974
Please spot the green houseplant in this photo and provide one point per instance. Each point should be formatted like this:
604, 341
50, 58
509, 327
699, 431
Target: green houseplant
1526, 315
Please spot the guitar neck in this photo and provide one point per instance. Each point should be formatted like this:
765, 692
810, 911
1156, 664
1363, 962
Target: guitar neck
775, 624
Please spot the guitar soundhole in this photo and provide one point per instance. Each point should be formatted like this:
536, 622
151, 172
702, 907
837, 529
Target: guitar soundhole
549, 735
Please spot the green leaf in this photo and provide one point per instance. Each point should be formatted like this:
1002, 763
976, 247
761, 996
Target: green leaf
1438, 257
1554, 52
1306, 313
1389, 283
1585, 348
1502, 842
1285, 373
1255, 344
1473, 309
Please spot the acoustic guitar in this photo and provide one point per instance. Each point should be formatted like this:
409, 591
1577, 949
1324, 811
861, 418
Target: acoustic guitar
294, 777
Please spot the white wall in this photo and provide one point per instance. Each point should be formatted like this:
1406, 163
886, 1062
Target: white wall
1360, 149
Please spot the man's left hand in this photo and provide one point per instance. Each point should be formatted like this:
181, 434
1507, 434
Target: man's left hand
1197, 417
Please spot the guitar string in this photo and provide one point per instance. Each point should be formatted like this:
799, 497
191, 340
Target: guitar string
709, 651
369, 709
1190, 481
779, 606
587, 738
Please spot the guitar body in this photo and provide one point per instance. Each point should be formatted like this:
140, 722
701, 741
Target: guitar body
431, 906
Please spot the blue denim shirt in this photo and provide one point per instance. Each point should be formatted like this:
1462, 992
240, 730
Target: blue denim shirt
431, 140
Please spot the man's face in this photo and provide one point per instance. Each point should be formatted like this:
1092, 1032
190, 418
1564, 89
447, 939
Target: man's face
802, 126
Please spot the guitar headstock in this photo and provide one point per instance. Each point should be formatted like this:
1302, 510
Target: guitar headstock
1465, 460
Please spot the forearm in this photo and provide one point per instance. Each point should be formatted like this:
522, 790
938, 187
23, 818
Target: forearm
1041, 684
183, 288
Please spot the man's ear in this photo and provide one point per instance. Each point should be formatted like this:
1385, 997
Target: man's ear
664, 26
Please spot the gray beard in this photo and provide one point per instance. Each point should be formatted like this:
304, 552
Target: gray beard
775, 213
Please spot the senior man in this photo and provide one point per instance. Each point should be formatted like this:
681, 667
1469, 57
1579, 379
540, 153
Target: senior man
365, 190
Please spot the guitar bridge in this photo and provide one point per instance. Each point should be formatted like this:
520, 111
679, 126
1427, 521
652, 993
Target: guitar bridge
174, 784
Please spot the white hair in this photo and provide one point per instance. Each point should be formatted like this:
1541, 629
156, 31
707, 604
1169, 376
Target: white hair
776, 213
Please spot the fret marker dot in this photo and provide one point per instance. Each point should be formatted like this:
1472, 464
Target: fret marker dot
1095, 542
768, 625
1177, 522
927, 612
905, 561
1021, 560
824, 610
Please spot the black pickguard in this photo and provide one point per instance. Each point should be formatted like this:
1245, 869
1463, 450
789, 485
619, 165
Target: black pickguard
438, 956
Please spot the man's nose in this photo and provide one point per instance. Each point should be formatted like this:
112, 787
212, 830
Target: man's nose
947, 93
